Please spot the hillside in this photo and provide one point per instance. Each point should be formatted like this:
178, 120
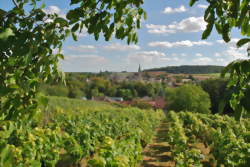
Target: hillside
189, 69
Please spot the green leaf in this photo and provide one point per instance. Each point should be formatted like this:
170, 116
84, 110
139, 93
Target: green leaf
244, 10
225, 33
242, 42
43, 6
208, 13
74, 36
245, 67
218, 28
61, 56
5, 91
145, 16
2, 13
75, 2
245, 100
129, 20
6, 156
73, 15
6, 33
208, 31
61, 21
192, 2
96, 36
75, 27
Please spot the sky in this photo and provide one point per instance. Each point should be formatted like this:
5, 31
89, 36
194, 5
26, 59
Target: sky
170, 36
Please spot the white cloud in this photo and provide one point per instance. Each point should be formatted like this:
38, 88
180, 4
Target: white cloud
210, 61
56, 51
183, 55
175, 59
151, 59
191, 24
217, 54
235, 53
185, 43
82, 34
221, 60
93, 58
198, 55
169, 10
84, 62
202, 6
230, 54
83, 48
147, 57
159, 29
176, 56
55, 10
232, 42
203, 61
121, 47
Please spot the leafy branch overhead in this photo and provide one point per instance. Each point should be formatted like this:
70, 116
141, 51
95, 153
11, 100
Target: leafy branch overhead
226, 15
121, 18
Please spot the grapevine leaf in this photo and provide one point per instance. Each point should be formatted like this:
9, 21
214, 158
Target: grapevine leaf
243, 42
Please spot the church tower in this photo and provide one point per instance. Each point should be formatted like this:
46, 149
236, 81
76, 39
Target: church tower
139, 69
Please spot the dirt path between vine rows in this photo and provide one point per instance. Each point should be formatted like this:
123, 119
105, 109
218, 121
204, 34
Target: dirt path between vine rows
157, 154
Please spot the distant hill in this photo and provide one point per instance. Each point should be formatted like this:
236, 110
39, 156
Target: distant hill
189, 69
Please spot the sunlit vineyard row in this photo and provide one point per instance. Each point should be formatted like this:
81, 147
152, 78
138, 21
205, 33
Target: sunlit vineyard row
208, 140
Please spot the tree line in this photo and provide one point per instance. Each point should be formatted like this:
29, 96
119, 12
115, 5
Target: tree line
190, 69
79, 85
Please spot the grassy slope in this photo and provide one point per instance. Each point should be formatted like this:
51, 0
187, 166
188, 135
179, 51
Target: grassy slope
65, 103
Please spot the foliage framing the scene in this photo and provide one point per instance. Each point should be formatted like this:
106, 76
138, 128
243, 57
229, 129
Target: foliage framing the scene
224, 16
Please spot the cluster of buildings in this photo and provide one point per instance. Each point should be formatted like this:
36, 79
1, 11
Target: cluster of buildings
172, 80
156, 103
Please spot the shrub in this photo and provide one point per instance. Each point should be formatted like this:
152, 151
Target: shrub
219, 93
54, 90
188, 97
141, 104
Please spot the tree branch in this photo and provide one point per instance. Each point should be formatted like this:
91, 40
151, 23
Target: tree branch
15, 3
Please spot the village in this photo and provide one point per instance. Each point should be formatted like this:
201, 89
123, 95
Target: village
160, 77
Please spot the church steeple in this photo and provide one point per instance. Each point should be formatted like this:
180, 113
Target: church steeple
139, 69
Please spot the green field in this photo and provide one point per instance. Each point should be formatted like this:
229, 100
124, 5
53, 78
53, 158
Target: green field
212, 75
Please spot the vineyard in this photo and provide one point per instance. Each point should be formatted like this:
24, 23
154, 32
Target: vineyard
39, 130
73, 132
86, 133
208, 140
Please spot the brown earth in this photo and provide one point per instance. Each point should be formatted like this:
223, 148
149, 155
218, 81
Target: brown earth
157, 154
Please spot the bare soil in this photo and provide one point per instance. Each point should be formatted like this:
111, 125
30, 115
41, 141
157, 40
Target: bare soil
157, 154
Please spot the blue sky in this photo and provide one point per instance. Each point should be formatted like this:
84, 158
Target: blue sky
170, 36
